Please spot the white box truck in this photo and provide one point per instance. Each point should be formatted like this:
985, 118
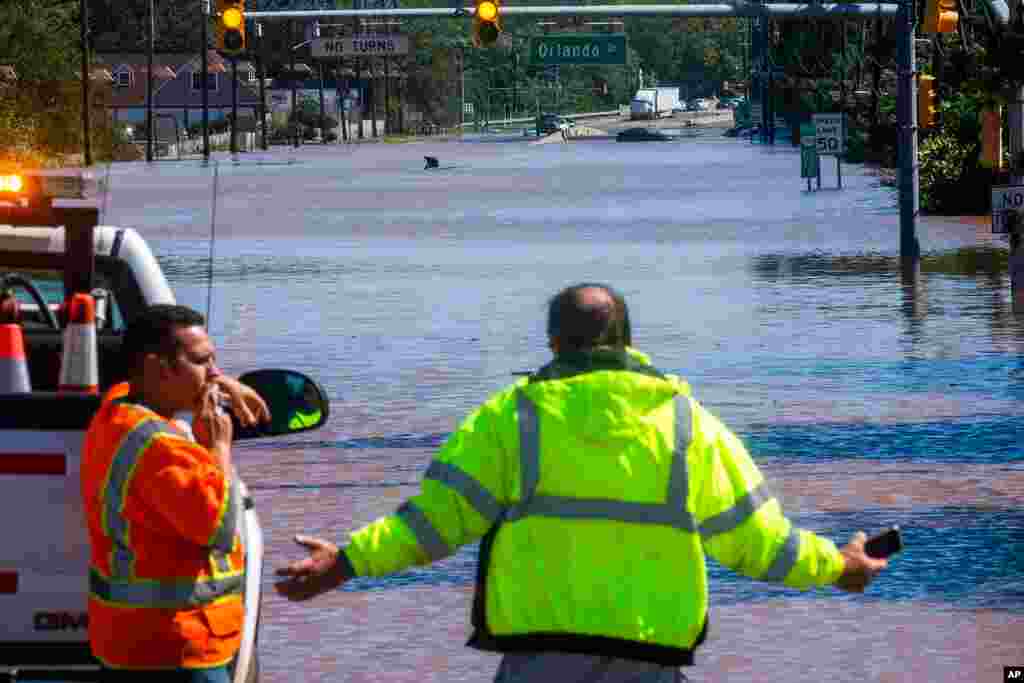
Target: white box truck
653, 103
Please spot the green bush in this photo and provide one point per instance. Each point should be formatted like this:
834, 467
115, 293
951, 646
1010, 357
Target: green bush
856, 147
951, 181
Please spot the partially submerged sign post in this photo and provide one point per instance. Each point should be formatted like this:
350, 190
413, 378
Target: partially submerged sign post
1006, 200
830, 138
810, 164
1008, 219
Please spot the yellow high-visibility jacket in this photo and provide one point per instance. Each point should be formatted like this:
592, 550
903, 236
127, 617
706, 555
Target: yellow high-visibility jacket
597, 484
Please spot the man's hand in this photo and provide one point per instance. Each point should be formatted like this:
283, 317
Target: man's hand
210, 425
860, 569
322, 571
246, 404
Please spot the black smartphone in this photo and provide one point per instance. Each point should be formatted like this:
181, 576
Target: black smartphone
887, 543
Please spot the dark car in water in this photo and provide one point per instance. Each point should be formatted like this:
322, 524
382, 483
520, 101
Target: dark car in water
642, 134
550, 123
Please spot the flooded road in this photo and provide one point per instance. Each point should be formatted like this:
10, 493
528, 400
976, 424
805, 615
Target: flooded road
411, 295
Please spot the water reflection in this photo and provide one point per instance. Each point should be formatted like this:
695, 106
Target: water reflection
978, 275
979, 262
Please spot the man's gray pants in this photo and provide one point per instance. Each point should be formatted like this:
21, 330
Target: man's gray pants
566, 667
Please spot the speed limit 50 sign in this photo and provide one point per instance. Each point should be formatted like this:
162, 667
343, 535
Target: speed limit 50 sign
830, 133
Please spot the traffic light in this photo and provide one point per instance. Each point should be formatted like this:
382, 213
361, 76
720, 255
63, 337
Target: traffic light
486, 23
231, 26
926, 107
940, 16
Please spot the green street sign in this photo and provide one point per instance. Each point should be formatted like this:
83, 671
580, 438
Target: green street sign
578, 48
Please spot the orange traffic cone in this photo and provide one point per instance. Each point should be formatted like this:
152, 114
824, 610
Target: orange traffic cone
79, 368
13, 364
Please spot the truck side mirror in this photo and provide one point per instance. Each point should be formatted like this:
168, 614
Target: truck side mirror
297, 403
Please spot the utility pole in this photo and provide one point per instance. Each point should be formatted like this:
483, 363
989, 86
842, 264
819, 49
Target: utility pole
515, 83
387, 95
205, 67
315, 34
323, 127
371, 97
149, 82
362, 96
295, 101
342, 69
262, 75
84, 30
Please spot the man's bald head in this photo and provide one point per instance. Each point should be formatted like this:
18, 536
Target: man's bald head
586, 316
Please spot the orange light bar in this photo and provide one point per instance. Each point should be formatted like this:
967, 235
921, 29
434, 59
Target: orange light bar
11, 183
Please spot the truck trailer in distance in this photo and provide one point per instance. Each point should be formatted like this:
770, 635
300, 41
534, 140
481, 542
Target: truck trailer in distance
653, 103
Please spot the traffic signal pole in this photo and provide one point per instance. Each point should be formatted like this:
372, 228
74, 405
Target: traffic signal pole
906, 121
83, 10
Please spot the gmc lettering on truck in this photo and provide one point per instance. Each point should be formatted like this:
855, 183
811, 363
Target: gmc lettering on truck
60, 621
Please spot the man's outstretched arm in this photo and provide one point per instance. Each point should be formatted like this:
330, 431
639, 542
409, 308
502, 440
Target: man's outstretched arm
742, 524
462, 496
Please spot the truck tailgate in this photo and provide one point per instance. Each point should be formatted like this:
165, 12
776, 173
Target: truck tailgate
44, 556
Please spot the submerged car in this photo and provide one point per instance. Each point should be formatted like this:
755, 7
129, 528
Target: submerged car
551, 123
642, 134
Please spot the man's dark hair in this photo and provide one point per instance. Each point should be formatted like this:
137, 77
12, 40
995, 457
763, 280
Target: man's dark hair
579, 324
152, 331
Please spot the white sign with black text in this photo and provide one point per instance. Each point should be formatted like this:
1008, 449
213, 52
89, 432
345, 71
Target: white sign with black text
1006, 200
830, 133
367, 45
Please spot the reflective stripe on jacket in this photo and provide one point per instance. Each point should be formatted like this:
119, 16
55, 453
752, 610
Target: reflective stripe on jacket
167, 565
599, 484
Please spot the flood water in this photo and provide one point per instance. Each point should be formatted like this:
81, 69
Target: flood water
411, 295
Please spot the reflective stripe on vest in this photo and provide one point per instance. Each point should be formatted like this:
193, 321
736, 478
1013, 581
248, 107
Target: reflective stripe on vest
121, 587
430, 539
163, 594
223, 538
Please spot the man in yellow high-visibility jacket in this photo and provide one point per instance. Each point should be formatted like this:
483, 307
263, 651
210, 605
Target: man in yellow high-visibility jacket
597, 485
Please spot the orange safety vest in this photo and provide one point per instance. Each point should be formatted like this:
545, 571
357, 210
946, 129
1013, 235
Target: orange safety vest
167, 564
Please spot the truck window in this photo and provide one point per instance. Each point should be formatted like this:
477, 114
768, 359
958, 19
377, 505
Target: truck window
50, 284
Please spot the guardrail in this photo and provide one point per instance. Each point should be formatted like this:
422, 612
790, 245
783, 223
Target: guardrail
532, 119
621, 111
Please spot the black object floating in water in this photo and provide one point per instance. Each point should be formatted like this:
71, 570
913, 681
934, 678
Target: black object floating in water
431, 163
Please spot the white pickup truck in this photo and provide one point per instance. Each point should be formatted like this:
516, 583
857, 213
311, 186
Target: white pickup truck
48, 253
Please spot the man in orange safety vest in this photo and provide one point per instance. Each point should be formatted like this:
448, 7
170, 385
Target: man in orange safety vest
163, 508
